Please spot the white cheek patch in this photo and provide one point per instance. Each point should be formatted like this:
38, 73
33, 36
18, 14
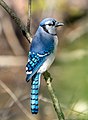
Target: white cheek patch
48, 27
51, 29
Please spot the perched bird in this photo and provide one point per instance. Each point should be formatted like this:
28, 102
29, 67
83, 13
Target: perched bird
41, 56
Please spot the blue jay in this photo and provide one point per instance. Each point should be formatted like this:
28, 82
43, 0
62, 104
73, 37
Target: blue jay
41, 56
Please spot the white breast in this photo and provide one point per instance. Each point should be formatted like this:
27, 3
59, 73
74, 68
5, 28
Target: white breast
50, 58
55, 43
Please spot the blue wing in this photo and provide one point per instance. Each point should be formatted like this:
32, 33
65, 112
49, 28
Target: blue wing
35, 61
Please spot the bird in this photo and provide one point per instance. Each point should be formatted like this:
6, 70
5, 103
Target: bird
41, 55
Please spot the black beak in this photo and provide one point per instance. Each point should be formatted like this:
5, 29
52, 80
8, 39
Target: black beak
59, 24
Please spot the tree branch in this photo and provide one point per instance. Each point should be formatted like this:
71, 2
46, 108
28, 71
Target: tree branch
25, 30
29, 17
56, 103
22, 27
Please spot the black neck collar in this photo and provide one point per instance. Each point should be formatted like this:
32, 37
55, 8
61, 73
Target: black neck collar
44, 28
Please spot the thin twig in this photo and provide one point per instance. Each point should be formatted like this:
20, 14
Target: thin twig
22, 27
56, 103
29, 16
22, 108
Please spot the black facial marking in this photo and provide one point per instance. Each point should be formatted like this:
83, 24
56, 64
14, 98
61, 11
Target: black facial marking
53, 23
50, 24
44, 27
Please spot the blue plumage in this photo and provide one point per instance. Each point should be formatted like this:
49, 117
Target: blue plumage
44, 45
35, 60
34, 93
41, 56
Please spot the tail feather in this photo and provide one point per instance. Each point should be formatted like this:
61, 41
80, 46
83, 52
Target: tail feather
34, 93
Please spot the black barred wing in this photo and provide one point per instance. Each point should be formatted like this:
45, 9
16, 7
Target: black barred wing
35, 61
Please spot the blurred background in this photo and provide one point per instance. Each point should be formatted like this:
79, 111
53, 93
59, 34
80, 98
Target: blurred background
69, 71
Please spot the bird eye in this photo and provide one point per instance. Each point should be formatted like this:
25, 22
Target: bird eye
50, 24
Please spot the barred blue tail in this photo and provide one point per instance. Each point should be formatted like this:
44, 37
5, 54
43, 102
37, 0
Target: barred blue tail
34, 93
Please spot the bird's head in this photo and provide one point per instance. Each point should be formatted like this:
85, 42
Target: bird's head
49, 25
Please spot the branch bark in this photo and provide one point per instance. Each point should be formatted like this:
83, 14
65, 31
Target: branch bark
29, 17
19, 23
55, 101
47, 75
